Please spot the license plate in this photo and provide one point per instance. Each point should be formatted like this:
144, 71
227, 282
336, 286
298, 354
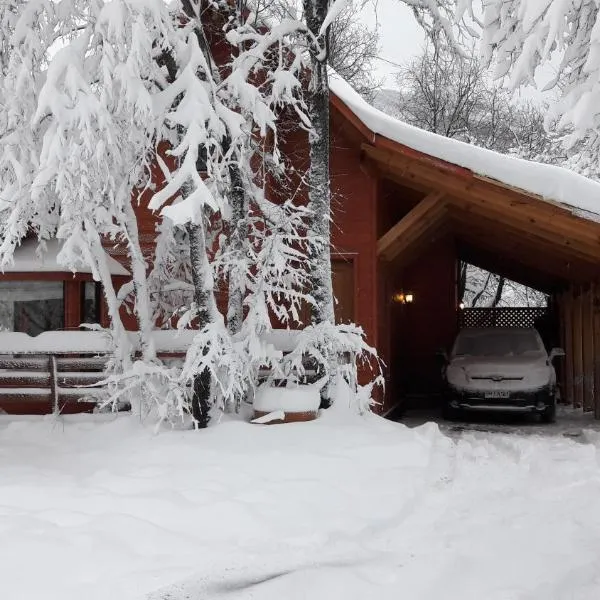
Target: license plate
497, 394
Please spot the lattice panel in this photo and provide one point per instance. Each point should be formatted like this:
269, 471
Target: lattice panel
469, 318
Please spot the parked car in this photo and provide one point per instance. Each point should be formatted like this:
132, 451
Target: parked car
506, 370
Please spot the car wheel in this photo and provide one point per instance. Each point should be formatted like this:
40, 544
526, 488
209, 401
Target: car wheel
549, 413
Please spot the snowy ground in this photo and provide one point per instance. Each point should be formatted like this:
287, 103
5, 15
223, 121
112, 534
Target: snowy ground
342, 508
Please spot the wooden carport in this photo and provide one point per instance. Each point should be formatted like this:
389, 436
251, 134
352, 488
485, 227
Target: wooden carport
536, 242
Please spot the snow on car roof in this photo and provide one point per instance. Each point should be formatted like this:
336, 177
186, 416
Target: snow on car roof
552, 183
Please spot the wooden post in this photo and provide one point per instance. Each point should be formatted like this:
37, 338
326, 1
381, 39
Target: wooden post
577, 349
567, 318
596, 324
54, 385
588, 349
559, 303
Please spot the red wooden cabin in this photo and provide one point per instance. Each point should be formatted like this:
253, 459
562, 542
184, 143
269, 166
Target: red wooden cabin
407, 207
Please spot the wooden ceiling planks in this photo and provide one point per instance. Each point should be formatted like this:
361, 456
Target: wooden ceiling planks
485, 192
530, 231
509, 267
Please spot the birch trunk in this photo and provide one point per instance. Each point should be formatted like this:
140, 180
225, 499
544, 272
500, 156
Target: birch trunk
140, 285
318, 174
318, 177
203, 298
239, 204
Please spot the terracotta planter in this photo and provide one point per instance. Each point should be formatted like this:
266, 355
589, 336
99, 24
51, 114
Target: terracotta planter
276, 405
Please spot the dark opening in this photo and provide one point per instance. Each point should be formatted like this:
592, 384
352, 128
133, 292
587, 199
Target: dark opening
90, 302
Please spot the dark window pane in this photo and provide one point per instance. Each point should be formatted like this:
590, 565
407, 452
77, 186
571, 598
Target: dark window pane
90, 302
31, 306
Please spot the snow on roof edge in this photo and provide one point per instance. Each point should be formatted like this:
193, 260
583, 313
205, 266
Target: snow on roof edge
26, 260
551, 182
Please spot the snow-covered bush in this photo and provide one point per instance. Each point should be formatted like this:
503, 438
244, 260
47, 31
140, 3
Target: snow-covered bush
309, 360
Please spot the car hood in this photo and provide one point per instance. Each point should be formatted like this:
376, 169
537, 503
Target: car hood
507, 366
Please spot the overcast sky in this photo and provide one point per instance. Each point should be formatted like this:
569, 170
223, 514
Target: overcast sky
401, 38
400, 35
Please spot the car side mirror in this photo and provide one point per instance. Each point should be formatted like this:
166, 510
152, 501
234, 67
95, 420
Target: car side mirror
443, 355
555, 353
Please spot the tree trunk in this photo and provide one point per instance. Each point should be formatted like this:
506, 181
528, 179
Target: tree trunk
318, 177
499, 290
462, 281
204, 304
481, 291
140, 285
237, 240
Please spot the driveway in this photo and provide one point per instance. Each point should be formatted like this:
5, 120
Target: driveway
570, 423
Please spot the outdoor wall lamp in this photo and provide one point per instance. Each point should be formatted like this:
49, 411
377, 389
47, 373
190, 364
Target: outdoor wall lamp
403, 297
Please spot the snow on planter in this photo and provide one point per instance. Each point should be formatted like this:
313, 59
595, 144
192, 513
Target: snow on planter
286, 404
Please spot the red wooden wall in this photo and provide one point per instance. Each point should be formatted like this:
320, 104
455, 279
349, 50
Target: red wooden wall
411, 334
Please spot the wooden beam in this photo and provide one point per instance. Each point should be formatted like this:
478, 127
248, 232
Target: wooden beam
527, 249
556, 275
417, 165
588, 349
412, 226
552, 221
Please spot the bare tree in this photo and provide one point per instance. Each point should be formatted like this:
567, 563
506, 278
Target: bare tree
441, 92
352, 46
452, 95
353, 49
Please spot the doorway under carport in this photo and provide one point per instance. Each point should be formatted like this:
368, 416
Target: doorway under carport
424, 234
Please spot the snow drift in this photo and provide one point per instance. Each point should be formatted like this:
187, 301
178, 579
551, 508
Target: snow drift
345, 507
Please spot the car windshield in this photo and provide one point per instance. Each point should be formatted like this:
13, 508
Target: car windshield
497, 343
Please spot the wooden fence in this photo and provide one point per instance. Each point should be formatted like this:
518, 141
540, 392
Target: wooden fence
579, 310
59, 371
517, 317
43, 383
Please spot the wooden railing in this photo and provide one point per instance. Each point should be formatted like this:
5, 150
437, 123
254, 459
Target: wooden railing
45, 382
59, 371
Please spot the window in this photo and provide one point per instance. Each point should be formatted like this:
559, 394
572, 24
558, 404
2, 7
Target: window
31, 306
90, 302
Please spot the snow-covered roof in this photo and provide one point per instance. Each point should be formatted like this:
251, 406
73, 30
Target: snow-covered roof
27, 260
550, 182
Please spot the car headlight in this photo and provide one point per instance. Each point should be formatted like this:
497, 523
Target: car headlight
539, 376
456, 376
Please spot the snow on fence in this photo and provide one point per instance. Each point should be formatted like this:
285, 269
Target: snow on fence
56, 371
